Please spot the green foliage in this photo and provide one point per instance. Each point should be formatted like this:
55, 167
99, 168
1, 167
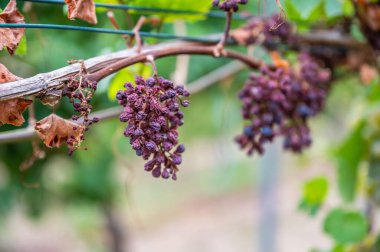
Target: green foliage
338, 248
127, 75
22, 47
306, 12
345, 226
314, 194
186, 5
348, 157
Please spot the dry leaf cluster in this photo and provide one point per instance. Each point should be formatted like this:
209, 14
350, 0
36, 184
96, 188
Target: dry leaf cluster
11, 37
82, 9
11, 110
55, 131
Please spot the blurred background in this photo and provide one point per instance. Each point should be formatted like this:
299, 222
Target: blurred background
103, 200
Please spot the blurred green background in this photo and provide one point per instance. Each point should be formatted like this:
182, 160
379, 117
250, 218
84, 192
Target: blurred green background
101, 198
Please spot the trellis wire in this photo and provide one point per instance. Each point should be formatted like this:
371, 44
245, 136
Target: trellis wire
214, 14
111, 31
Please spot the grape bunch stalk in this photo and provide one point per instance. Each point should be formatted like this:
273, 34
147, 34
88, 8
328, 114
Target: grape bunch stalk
152, 111
279, 102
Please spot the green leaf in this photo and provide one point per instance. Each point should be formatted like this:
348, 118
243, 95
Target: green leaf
373, 91
314, 194
22, 47
106, 2
348, 8
333, 8
318, 13
356, 33
291, 11
346, 227
304, 8
188, 5
339, 248
127, 75
349, 156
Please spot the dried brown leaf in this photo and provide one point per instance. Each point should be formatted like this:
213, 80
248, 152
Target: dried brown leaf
241, 36
6, 75
11, 110
54, 131
373, 17
11, 37
82, 9
367, 73
278, 61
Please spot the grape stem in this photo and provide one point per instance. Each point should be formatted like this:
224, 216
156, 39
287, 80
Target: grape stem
150, 59
136, 31
111, 17
219, 48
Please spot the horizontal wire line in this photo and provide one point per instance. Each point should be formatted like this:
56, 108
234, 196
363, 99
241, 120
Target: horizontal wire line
214, 14
111, 31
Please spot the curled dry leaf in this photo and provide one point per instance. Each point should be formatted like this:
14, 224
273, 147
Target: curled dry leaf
54, 131
82, 9
11, 110
278, 61
11, 37
241, 36
367, 74
373, 17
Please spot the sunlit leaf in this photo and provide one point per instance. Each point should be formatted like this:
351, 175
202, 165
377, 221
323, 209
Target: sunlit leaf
305, 8
185, 5
318, 13
22, 47
291, 11
127, 75
348, 8
106, 2
314, 194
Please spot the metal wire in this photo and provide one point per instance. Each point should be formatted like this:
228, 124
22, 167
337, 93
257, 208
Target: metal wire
111, 31
213, 14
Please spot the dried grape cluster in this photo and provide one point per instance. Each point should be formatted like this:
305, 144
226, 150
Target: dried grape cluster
228, 5
268, 30
279, 102
152, 111
80, 92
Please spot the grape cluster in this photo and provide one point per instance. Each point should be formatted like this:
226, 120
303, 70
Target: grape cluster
80, 92
278, 102
228, 5
152, 111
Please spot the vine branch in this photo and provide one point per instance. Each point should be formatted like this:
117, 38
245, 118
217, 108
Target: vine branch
197, 86
102, 66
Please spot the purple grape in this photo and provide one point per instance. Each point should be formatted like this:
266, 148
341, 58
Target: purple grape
228, 5
151, 109
279, 103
